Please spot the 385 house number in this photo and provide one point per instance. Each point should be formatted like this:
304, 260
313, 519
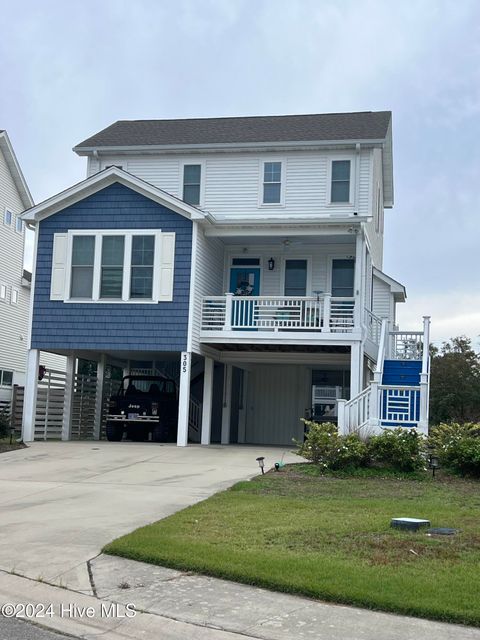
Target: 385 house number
184, 362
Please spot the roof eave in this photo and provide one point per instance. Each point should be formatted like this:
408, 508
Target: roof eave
15, 170
103, 179
150, 148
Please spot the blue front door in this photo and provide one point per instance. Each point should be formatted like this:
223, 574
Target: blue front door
244, 281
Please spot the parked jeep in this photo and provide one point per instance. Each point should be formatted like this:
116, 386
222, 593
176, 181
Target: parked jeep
143, 405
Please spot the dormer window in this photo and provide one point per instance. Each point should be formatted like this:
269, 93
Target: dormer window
272, 182
340, 187
192, 178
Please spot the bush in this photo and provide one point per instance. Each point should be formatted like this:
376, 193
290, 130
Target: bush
4, 423
325, 447
401, 449
457, 447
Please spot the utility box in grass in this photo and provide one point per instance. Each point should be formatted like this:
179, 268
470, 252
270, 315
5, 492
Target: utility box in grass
409, 524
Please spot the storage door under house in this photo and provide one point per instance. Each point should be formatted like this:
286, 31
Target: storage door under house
277, 398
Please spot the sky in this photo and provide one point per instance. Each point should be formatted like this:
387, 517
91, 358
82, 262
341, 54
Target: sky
71, 68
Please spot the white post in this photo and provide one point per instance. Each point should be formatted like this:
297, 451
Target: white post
424, 377
184, 398
30, 397
228, 312
68, 400
327, 302
358, 282
97, 425
374, 407
341, 417
356, 369
207, 401
227, 403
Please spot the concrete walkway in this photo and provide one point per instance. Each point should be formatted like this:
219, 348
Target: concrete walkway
61, 502
177, 606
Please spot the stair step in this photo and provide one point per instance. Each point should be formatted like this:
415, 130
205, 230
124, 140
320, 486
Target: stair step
402, 372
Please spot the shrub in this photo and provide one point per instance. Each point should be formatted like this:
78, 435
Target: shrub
4, 423
401, 449
457, 447
331, 451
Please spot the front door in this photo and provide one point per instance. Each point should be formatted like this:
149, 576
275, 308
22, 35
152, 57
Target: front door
244, 281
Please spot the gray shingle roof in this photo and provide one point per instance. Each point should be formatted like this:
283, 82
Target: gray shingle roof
366, 125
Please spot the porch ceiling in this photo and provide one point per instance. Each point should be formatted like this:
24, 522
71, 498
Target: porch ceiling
282, 348
289, 240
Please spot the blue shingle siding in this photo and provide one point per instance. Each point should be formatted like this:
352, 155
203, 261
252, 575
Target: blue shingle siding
142, 327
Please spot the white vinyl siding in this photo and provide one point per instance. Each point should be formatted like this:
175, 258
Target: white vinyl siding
382, 299
374, 178
207, 278
232, 183
13, 317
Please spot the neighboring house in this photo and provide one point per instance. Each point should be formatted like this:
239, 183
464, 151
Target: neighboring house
244, 253
15, 281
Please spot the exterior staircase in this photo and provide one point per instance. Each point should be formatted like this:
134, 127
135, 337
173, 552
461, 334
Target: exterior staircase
399, 392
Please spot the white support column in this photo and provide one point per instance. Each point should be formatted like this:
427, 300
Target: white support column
30, 397
184, 398
207, 401
68, 401
228, 312
424, 377
357, 285
356, 369
97, 426
327, 302
227, 404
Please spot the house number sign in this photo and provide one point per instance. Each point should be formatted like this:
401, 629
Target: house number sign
185, 362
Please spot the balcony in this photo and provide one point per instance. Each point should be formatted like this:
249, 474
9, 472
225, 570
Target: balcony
277, 318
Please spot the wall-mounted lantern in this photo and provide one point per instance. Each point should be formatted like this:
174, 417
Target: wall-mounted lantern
271, 264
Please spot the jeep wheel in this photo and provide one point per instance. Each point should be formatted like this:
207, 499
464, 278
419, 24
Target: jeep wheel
114, 431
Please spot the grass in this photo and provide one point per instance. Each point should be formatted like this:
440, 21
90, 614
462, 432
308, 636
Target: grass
328, 537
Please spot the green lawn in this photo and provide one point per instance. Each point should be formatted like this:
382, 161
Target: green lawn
329, 538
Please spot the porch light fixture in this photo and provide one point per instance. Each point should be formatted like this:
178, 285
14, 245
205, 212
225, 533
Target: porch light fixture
271, 264
261, 463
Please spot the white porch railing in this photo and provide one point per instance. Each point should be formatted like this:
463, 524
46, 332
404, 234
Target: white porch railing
277, 313
194, 414
374, 326
406, 345
354, 414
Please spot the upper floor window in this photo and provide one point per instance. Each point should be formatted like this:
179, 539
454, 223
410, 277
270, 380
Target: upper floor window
141, 279
14, 296
6, 378
83, 261
3, 292
192, 177
272, 182
8, 217
18, 225
111, 276
340, 187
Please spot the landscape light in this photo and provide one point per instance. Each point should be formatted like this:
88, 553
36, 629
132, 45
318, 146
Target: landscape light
261, 463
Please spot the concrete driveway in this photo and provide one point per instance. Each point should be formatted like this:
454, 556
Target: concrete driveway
60, 502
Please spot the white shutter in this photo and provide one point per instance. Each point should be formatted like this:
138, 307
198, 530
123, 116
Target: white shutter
167, 259
59, 266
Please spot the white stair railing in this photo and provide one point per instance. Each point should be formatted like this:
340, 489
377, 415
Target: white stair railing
194, 415
354, 414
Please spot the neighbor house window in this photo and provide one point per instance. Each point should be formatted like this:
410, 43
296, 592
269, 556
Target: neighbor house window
3, 292
192, 176
6, 378
141, 279
83, 260
8, 217
111, 277
14, 296
340, 187
272, 182
18, 225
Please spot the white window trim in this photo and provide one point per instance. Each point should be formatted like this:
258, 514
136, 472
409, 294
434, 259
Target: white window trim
128, 233
3, 298
351, 193
5, 211
283, 180
309, 293
17, 220
17, 291
202, 179
6, 386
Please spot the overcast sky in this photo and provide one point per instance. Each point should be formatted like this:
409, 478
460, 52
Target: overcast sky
71, 68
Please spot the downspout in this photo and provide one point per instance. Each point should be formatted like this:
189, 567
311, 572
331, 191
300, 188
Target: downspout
356, 201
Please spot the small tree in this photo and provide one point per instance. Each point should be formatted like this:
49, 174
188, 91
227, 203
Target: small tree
455, 382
